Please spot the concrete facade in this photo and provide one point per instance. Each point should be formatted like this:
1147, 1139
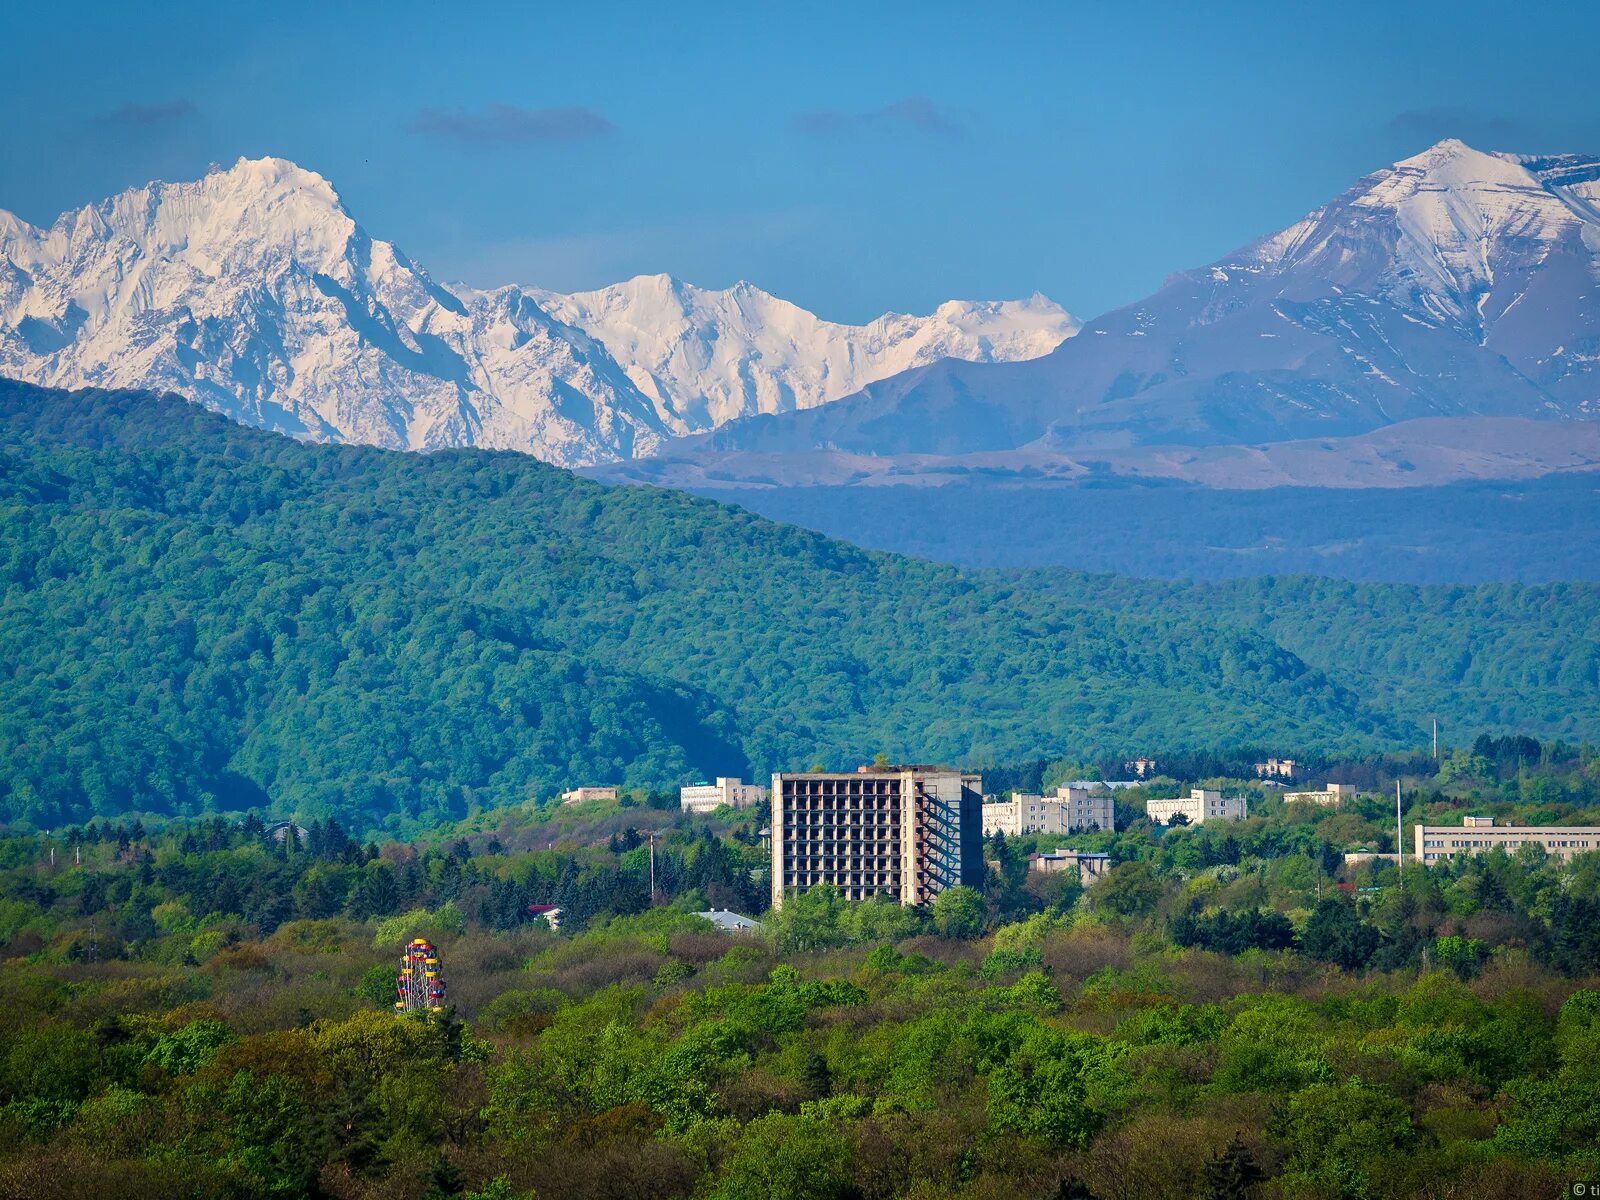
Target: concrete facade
1478, 835
708, 797
1332, 795
1088, 866
1276, 768
1070, 809
1200, 806
906, 832
581, 794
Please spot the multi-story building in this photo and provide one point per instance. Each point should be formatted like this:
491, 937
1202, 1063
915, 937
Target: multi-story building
1088, 866
1478, 835
1069, 810
1202, 804
1331, 796
708, 797
1276, 768
580, 794
909, 832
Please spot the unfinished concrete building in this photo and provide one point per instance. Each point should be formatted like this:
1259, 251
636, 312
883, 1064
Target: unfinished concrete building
908, 832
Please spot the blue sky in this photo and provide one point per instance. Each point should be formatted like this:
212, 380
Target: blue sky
853, 158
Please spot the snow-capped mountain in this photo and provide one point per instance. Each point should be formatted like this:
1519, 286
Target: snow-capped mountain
256, 293
708, 357
1453, 283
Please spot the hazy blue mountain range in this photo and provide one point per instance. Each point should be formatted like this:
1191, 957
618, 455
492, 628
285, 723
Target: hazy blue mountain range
1472, 531
1455, 283
1332, 398
196, 615
1433, 326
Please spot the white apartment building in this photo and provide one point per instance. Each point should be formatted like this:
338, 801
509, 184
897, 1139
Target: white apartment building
1478, 835
1201, 805
580, 794
1069, 810
1331, 796
708, 797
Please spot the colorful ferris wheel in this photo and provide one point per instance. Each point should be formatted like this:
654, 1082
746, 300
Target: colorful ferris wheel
420, 987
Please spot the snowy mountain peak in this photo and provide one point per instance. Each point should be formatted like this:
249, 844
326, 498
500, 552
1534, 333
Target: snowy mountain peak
1454, 283
707, 357
254, 291
1438, 232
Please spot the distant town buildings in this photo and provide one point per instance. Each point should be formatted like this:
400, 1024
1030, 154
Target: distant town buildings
1088, 866
1142, 767
1276, 768
1332, 795
1069, 810
731, 922
1201, 805
908, 832
1478, 835
708, 797
579, 795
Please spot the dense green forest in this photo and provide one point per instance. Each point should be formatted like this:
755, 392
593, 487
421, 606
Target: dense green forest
1501, 655
203, 1010
199, 617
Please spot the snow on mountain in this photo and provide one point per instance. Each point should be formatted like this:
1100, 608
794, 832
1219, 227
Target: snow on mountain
708, 357
254, 292
1459, 238
1453, 283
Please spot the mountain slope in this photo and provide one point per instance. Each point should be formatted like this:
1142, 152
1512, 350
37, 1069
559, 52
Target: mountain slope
197, 614
708, 357
254, 292
1455, 283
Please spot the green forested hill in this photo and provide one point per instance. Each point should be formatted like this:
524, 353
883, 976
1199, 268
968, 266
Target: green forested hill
1502, 655
199, 615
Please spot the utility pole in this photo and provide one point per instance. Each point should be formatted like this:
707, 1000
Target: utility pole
652, 835
1436, 741
1399, 835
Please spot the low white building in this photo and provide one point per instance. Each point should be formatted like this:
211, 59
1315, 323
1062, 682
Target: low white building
727, 921
581, 794
708, 797
1332, 795
1479, 835
1201, 805
1069, 810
